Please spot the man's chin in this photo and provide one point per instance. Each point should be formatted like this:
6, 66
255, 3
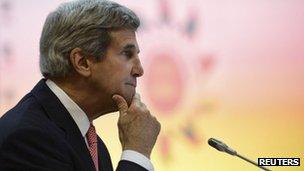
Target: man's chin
129, 100
128, 96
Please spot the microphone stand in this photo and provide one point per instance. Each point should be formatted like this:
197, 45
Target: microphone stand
252, 162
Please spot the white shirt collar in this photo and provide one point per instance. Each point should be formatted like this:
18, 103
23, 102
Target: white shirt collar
79, 116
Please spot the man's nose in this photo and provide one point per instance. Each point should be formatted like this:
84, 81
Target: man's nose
137, 70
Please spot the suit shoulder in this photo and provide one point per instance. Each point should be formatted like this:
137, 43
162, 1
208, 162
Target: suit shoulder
28, 112
27, 105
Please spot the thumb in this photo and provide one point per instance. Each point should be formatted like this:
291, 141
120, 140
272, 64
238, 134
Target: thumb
121, 104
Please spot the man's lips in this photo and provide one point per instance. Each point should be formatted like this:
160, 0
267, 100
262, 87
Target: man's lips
131, 84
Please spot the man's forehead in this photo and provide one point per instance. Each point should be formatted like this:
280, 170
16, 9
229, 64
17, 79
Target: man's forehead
124, 39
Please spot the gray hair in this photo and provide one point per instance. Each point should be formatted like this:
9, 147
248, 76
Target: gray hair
85, 24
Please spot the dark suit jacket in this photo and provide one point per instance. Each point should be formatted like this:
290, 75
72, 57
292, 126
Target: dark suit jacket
39, 134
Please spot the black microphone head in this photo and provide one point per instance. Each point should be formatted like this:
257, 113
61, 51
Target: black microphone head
216, 144
212, 142
220, 146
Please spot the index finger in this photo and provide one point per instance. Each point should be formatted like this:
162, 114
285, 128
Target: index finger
135, 100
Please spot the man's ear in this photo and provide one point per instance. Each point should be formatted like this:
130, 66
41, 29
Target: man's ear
80, 62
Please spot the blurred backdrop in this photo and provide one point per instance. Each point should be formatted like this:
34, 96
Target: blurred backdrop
233, 70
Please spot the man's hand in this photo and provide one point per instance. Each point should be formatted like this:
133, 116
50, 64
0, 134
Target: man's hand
138, 129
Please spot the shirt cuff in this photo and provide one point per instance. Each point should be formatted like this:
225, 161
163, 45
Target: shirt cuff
137, 158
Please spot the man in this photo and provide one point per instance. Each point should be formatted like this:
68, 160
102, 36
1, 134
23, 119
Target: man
89, 60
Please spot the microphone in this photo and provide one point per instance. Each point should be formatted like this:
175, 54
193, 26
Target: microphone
220, 146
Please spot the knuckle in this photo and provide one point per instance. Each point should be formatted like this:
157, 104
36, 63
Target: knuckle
143, 105
153, 118
146, 112
143, 111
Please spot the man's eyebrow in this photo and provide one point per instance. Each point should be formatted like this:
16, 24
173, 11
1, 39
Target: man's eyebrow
130, 47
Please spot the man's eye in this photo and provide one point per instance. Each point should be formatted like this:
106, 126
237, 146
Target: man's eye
127, 53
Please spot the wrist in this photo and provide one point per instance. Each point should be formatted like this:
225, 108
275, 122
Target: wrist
143, 151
